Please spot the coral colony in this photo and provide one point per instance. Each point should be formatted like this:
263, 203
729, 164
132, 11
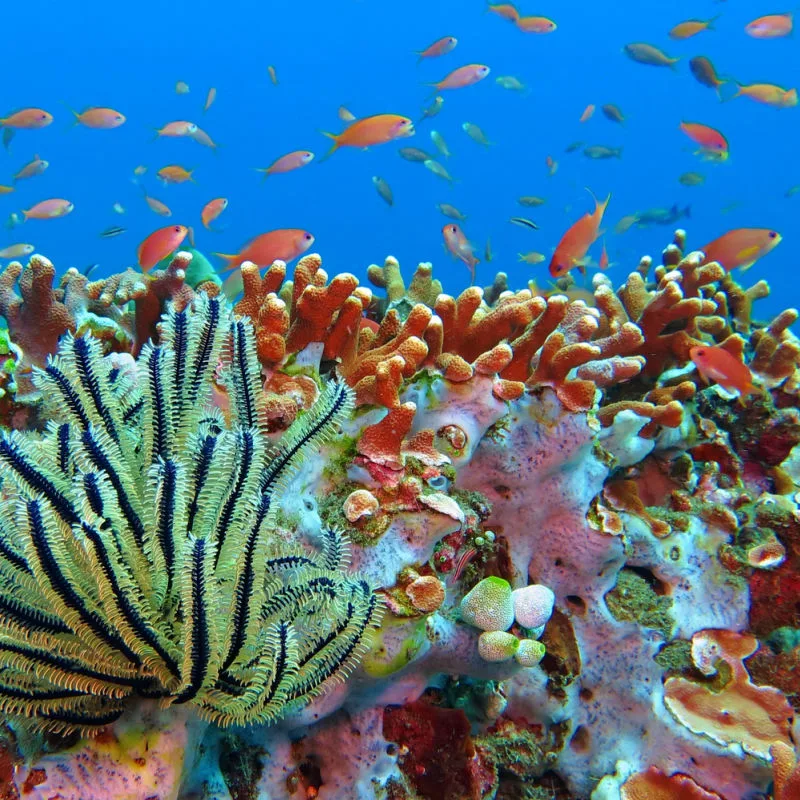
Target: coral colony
332, 543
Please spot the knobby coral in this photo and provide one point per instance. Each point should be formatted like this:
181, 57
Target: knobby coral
138, 552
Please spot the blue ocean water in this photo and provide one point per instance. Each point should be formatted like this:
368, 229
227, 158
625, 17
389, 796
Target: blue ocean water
360, 53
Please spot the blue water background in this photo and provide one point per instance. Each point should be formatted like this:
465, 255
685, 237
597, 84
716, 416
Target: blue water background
129, 55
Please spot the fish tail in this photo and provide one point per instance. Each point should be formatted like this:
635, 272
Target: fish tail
724, 90
334, 146
231, 260
264, 170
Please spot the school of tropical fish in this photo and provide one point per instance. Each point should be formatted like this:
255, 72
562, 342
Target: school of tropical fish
583, 242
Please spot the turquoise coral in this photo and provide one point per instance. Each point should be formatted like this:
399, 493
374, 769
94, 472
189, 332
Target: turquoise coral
138, 550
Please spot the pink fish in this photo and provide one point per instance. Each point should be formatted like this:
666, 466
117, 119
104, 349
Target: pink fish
463, 76
179, 128
459, 247
49, 209
440, 47
289, 162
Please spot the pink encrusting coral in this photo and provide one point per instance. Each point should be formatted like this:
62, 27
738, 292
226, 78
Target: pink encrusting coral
588, 558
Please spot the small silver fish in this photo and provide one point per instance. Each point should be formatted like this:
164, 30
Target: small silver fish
531, 201
90, 269
451, 211
601, 151
510, 82
114, 230
437, 169
441, 144
13, 220
475, 133
523, 222
433, 109
413, 154
383, 189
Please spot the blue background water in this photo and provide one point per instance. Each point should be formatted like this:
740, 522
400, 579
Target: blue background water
360, 53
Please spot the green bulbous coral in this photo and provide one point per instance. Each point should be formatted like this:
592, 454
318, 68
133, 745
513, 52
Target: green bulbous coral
138, 546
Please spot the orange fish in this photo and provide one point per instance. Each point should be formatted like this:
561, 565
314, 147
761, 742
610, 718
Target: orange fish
771, 26
713, 145
34, 167
461, 77
99, 118
535, 24
440, 47
459, 247
285, 244
767, 93
505, 10
587, 113
741, 247
49, 209
27, 118
575, 243
552, 165
289, 162
378, 129
685, 30
718, 365
212, 210
159, 244
603, 263
175, 174
179, 128
210, 98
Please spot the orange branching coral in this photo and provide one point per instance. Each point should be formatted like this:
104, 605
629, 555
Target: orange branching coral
671, 317
653, 784
597, 361
37, 317
150, 295
623, 495
752, 717
776, 351
289, 316
738, 302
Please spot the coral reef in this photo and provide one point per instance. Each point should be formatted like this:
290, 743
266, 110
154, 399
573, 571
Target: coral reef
587, 556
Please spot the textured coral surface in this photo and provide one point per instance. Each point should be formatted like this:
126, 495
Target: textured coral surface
500, 440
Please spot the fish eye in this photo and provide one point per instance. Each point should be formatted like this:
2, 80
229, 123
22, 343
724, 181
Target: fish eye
308, 237
772, 234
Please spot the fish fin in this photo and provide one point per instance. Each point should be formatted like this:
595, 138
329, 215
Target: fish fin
265, 170
710, 22
334, 147
724, 90
77, 119
229, 259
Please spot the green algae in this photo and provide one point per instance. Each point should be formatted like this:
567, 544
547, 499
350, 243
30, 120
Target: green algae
635, 599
